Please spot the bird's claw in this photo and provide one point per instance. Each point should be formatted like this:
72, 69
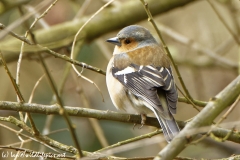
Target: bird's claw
143, 120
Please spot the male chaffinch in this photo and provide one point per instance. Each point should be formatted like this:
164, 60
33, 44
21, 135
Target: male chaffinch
139, 77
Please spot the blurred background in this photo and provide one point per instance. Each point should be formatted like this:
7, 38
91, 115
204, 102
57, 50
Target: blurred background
206, 53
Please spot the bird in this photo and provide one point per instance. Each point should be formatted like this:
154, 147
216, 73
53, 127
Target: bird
139, 78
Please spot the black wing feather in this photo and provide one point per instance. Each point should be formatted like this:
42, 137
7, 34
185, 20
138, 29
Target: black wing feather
145, 81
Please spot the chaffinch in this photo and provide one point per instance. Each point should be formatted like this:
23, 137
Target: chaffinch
139, 77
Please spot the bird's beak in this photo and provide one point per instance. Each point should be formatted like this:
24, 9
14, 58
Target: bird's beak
114, 40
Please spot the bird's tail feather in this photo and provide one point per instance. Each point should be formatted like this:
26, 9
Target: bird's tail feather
169, 126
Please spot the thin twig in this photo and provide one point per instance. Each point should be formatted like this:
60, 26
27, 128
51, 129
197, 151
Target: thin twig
197, 46
28, 115
49, 119
233, 9
196, 102
41, 22
17, 90
218, 122
40, 138
22, 38
236, 38
66, 58
150, 18
26, 34
62, 111
148, 135
19, 143
19, 21
83, 8
83, 77
75, 39
223, 139
94, 123
21, 54
16, 121
217, 104
34, 88
191, 101
65, 115
29, 140
228, 111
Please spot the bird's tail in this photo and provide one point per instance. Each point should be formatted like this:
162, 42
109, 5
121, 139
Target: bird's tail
169, 126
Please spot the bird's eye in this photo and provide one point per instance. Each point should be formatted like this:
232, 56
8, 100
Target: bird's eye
127, 41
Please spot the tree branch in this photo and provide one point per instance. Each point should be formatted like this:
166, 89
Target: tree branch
100, 115
76, 111
40, 137
63, 34
205, 117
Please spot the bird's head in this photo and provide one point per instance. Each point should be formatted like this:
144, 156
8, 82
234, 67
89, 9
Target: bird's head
132, 37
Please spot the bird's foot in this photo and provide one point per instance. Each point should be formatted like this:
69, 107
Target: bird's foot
143, 120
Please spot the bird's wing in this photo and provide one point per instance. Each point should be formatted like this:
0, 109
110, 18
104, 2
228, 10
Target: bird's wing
146, 81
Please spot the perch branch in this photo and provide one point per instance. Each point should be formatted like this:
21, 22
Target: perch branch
100, 115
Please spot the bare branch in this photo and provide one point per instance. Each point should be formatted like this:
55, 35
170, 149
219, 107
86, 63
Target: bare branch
221, 101
69, 29
100, 115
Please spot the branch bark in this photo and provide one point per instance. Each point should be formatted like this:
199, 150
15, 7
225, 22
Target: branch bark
220, 102
101, 115
76, 111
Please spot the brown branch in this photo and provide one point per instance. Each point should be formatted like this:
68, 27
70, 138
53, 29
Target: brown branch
21, 38
40, 137
75, 62
100, 115
220, 102
62, 34
150, 18
236, 38
17, 90
196, 102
